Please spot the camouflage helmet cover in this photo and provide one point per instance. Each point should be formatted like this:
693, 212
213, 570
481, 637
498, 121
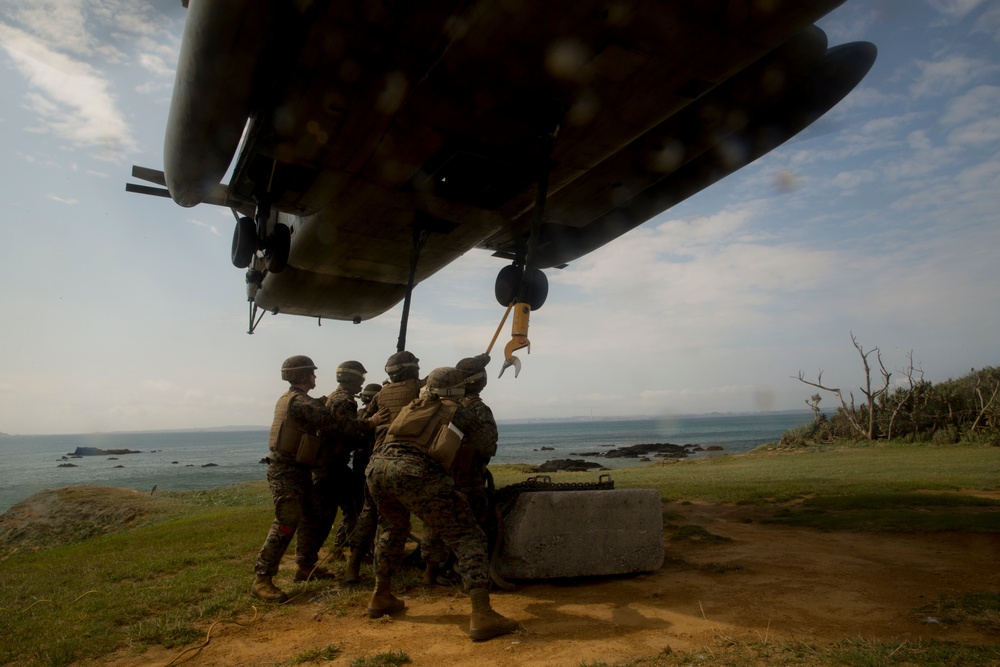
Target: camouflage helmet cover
351, 371
474, 368
398, 364
368, 393
446, 381
292, 367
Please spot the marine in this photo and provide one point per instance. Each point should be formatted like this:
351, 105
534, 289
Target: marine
409, 473
469, 468
333, 479
403, 369
294, 446
366, 396
358, 491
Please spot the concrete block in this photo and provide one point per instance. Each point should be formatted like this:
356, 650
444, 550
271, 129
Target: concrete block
551, 534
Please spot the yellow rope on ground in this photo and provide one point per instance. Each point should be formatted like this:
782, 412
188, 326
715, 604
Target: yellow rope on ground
208, 636
51, 602
87, 593
33, 604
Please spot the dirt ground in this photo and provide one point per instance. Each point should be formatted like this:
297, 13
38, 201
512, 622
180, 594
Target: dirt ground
765, 583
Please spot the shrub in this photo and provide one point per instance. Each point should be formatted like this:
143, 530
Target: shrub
945, 436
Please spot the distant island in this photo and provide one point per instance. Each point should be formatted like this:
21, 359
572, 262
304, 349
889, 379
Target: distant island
206, 429
97, 451
623, 418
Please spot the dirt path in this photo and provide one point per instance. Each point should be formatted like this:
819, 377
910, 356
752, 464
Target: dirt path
765, 582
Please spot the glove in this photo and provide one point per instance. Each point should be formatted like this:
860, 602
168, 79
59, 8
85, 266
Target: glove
382, 417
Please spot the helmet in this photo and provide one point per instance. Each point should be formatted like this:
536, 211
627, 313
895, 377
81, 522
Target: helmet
446, 381
475, 371
402, 366
292, 368
368, 393
351, 371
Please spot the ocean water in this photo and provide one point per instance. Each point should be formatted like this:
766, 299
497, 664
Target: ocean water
180, 460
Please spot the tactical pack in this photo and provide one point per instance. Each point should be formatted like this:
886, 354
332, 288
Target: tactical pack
426, 423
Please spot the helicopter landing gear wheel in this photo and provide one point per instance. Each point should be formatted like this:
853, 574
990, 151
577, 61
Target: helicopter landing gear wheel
508, 285
538, 288
508, 280
244, 242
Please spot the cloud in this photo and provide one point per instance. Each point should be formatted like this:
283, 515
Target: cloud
707, 395
984, 177
69, 50
849, 181
919, 163
955, 8
977, 134
849, 23
212, 228
919, 140
61, 200
155, 64
69, 97
863, 97
949, 74
980, 102
158, 385
701, 274
54, 22
989, 23
91, 28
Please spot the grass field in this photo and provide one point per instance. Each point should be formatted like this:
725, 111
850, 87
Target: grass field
184, 558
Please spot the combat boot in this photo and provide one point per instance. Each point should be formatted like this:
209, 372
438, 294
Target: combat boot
486, 623
264, 589
383, 601
431, 569
352, 573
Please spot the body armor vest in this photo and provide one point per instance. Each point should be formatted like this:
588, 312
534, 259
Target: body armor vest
395, 396
286, 433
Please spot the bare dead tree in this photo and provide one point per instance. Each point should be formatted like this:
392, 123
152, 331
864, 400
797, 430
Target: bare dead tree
871, 395
849, 412
984, 405
909, 371
813, 402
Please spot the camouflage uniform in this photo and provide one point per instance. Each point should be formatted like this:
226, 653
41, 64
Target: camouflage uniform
332, 478
355, 489
469, 473
295, 506
403, 479
394, 400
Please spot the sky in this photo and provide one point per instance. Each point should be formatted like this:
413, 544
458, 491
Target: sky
122, 312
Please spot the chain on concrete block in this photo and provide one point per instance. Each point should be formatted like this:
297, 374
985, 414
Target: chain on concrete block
507, 496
